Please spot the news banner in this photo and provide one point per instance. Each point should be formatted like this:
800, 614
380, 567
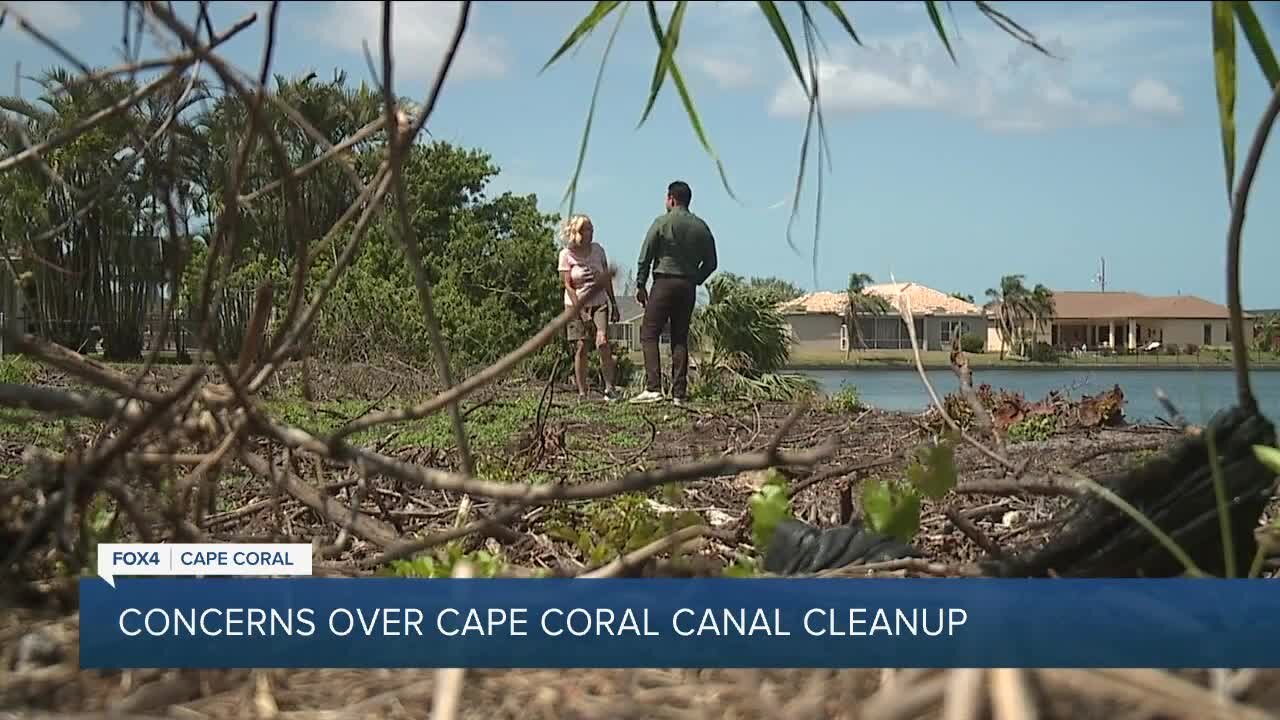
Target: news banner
258, 606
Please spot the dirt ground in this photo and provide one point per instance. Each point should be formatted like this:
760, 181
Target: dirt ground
574, 442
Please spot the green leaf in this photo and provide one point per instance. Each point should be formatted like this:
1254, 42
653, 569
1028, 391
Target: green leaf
769, 506
692, 112
588, 24
936, 18
571, 192
667, 43
1257, 38
891, 508
1268, 456
670, 67
773, 476
784, 38
841, 18
1224, 66
934, 470
742, 567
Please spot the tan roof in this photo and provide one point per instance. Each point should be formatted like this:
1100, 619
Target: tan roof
923, 301
823, 302
1117, 305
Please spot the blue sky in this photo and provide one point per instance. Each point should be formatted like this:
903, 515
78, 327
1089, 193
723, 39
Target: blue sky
944, 175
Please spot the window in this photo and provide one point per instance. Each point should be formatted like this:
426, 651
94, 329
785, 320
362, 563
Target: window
951, 328
844, 336
1228, 329
1208, 334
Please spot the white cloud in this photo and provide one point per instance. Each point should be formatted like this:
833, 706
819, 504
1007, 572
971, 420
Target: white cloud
49, 16
726, 72
420, 36
1153, 96
1002, 84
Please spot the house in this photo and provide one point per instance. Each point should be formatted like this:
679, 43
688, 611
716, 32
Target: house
817, 319
625, 334
1128, 321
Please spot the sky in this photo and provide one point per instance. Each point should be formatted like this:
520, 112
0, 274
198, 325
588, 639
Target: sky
948, 174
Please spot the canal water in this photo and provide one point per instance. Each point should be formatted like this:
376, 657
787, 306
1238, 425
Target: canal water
1197, 393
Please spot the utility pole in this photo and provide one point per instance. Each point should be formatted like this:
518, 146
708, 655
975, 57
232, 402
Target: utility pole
1101, 277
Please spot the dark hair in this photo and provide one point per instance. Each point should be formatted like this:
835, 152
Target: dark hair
680, 192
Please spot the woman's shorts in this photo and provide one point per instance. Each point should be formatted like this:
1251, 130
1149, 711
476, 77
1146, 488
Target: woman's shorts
579, 329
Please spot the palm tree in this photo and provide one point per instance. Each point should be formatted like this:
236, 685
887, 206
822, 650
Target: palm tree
1040, 306
860, 302
743, 330
1011, 302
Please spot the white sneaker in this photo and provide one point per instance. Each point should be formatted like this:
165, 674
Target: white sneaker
648, 396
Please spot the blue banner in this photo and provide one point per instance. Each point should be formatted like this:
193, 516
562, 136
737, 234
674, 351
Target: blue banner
727, 623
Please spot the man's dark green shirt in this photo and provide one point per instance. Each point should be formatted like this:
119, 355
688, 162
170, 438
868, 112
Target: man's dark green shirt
678, 243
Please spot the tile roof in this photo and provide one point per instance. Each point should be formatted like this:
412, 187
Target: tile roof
1117, 305
923, 301
823, 302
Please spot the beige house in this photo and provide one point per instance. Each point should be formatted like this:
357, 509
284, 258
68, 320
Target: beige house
817, 320
626, 333
1129, 321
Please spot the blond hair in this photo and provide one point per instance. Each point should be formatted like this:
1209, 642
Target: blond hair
571, 229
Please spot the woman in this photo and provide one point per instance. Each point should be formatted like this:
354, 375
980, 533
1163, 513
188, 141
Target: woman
584, 270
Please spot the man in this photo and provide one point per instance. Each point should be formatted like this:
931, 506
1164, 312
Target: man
681, 252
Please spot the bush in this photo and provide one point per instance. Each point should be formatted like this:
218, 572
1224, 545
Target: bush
1032, 429
1043, 352
971, 343
845, 400
743, 331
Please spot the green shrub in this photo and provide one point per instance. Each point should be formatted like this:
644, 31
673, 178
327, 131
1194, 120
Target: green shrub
972, 343
743, 331
1033, 429
1043, 352
845, 400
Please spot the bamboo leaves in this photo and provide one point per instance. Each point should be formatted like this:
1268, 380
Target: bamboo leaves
1257, 39
584, 28
1224, 73
1225, 15
936, 18
666, 66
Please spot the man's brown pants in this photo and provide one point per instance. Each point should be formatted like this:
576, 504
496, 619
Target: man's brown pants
670, 301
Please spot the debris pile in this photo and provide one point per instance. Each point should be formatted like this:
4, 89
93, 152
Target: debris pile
1007, 408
